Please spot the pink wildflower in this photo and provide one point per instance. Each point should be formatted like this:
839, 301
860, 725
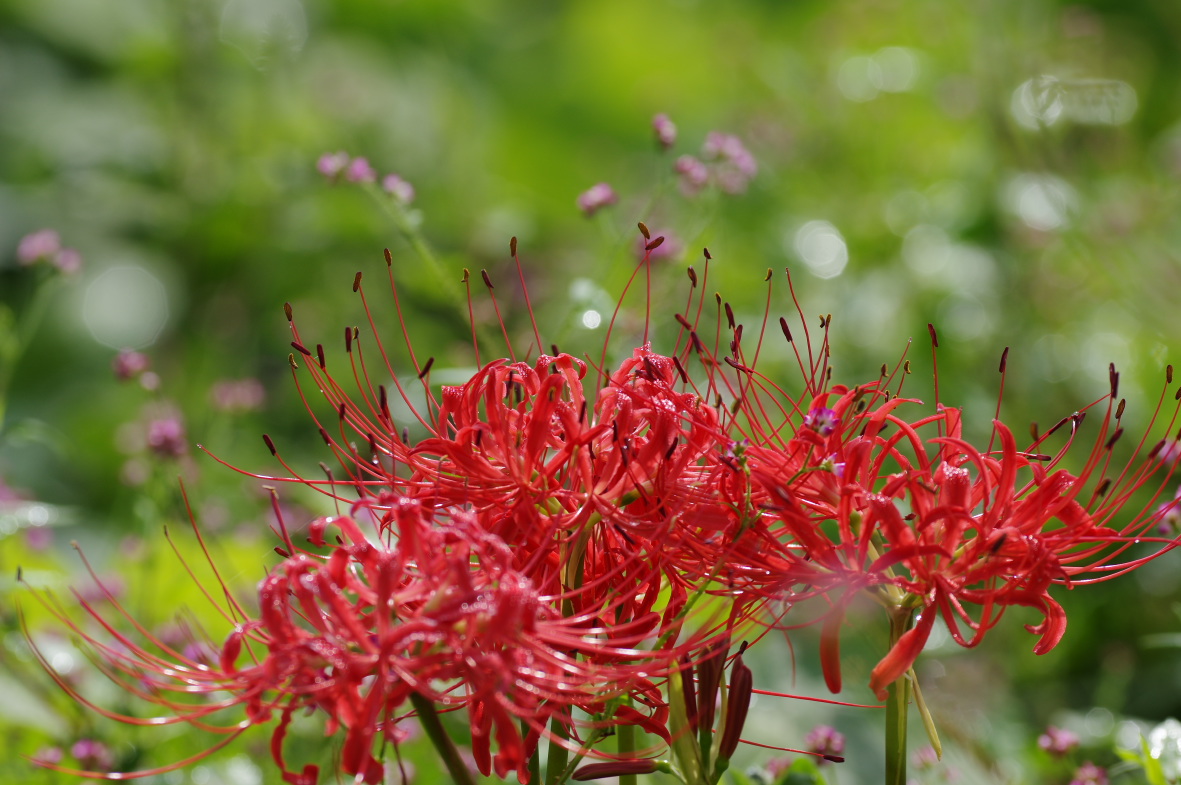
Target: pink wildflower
596, 198
333, 165
694, 175
38, 246
360, 171
238, 395
129, 364
398, 188
1089, 774
166, 437
1058, 742
825, 741
665, 130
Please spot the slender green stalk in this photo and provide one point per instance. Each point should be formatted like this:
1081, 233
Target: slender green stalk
625, 737
556, 763
897, 700
443, 743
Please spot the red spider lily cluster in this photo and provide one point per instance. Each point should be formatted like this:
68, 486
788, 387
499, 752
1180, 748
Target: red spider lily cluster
570, 549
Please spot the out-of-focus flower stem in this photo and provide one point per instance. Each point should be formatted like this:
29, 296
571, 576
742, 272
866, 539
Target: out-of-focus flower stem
897, 698
435, 731
16, 332
397, 211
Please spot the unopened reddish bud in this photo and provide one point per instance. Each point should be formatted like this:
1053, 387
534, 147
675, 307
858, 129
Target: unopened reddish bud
709, 679
615, 768
737, 705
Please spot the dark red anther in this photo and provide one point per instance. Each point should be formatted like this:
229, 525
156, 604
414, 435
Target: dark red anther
299, 347
697, 347
705, 252
692, 276
320, 355
389, 258
654, 244
553, 347
681, 320
1004, 360
270, 444
512, 246
1169, 374
767, 277
383, 399
786, 331
1114, 379
357, 282
487, 280
426, 368
324, 435
1119, 409
1114, 438
681, 370
340, 410
348, 340
729, 316
643, 227
934, 337
287, 310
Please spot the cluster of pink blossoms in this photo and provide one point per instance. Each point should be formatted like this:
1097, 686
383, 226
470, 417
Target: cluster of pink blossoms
571, 548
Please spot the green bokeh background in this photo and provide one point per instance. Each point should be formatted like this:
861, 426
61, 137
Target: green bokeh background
1006, 170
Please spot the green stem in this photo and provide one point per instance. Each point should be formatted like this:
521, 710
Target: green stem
443, 743
897, 701
625, 736
559, 756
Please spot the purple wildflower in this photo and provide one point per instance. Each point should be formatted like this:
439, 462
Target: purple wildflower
823, 421
92, 755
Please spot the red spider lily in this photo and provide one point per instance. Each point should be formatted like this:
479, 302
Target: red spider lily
357, 627
518, 568
843, 492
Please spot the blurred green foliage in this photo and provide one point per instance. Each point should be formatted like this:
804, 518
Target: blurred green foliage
1007, 170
